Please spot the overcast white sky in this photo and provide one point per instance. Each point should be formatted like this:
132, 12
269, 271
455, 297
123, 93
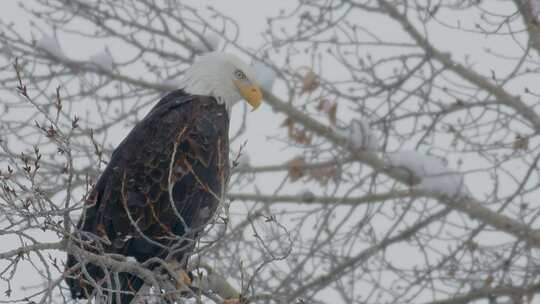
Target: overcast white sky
251, 15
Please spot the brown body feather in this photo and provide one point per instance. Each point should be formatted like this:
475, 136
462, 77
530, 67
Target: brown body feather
179, 151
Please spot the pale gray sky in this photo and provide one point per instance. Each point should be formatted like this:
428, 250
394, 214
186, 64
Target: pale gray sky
251, 16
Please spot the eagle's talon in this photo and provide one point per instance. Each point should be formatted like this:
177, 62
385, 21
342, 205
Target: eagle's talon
183, 279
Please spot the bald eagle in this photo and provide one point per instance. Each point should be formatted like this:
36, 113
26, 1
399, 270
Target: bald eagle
165, 180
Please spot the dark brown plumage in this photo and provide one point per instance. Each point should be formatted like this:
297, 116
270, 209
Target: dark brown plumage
134, 188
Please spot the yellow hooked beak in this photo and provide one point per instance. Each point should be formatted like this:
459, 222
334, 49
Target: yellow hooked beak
250, 92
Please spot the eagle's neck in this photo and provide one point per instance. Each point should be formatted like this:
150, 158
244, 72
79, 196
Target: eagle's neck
200, 81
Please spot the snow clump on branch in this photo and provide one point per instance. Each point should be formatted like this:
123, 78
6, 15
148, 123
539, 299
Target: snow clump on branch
434, 176
265, 75
102, 60
51, 46
360, 136
243, 160
210, 43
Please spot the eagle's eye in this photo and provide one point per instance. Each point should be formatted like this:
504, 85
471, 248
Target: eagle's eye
239, 75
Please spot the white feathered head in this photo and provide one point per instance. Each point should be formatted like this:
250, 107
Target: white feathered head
223, 76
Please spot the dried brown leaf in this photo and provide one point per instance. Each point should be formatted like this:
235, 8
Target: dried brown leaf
520, 143
324, 105
301, 137
332, 114
296, 170
310, 82
489, 280
289, 124
324, 174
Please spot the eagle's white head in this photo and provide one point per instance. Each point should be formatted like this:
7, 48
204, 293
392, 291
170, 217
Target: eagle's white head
223, 76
